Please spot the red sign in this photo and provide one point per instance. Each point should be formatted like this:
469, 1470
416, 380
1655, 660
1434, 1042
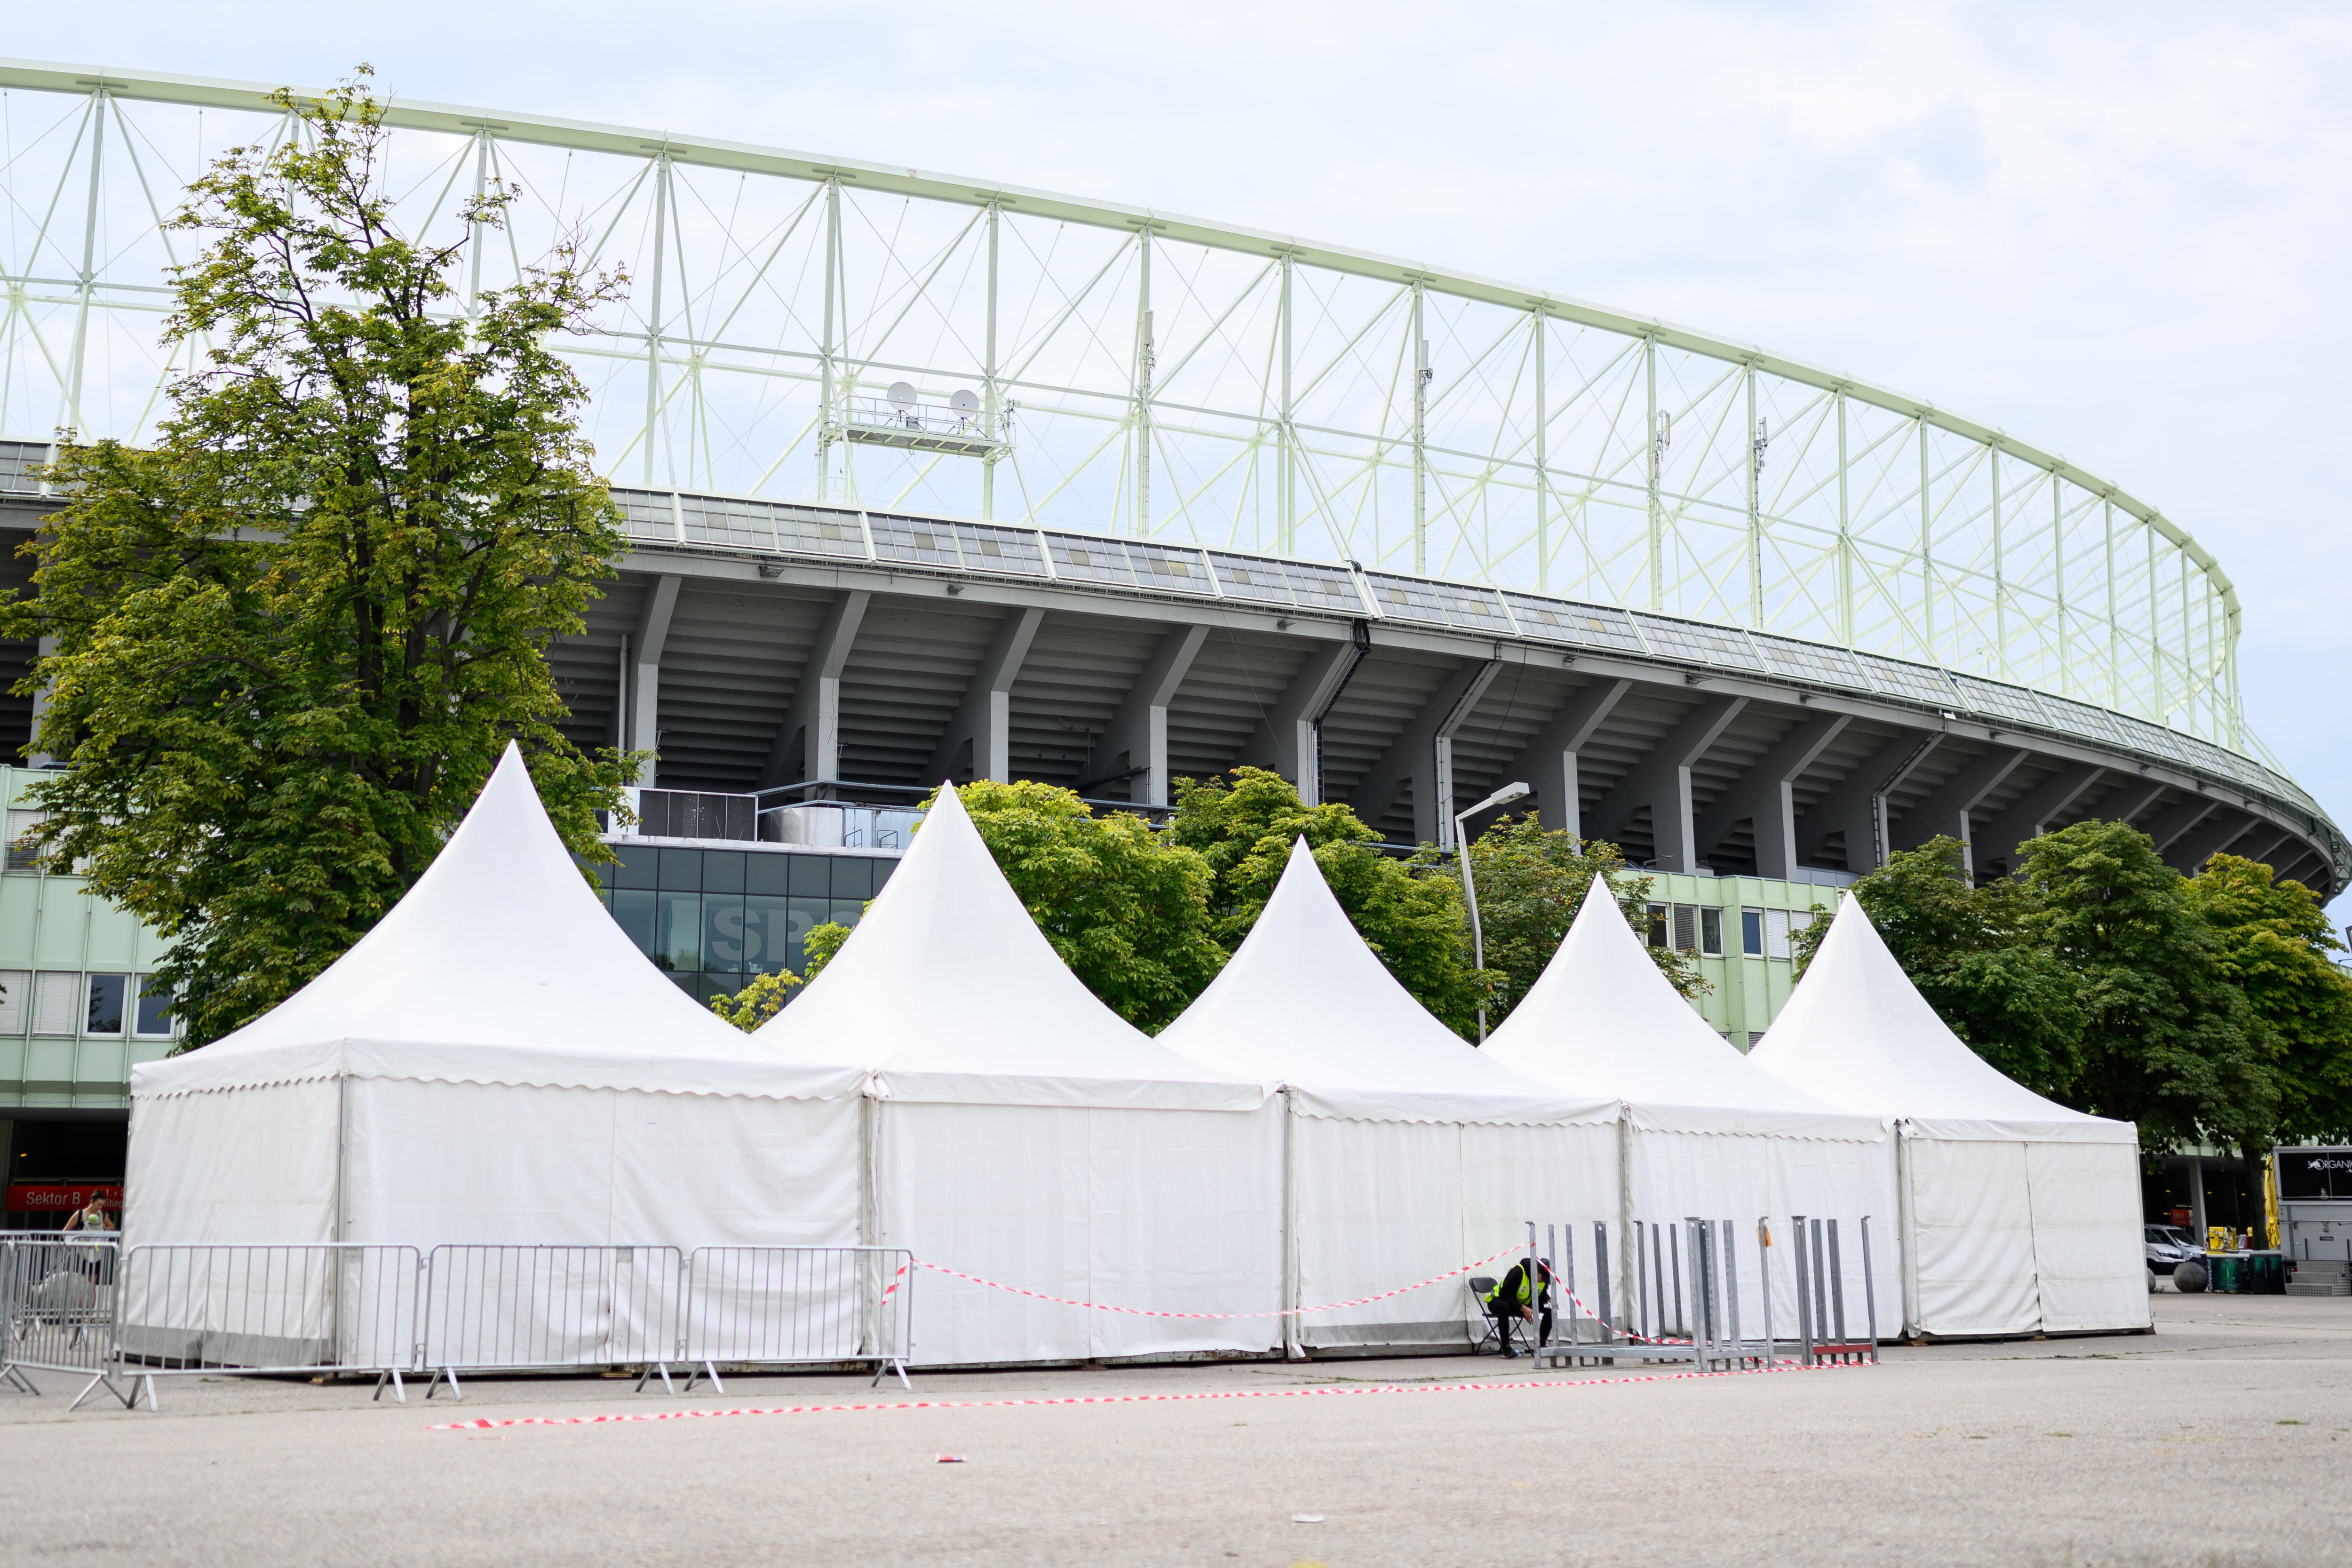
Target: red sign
61, 1197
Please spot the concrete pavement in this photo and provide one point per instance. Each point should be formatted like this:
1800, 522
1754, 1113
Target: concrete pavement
2221, 1440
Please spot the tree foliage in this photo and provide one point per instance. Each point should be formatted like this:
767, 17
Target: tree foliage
2273, 945
2168, 1041
290, 639
1242, 825
1128, 913
760, 1001
1967, 948
1531, 882
2204, 1008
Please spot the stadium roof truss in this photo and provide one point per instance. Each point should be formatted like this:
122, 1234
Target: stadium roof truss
891, 344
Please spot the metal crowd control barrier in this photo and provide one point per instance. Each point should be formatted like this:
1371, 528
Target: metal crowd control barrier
58, 1290
326, 1307
787, 1306
1683, 1303
493, 1307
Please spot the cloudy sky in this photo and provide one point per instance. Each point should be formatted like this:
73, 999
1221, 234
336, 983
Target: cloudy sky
2119, 231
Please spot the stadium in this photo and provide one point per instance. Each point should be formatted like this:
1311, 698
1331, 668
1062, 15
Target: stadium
930, 477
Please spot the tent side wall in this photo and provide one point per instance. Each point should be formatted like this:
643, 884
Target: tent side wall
2026, 1235
2088, 1244
1385, 1204
1173, 1211
462, 1162
237, 1165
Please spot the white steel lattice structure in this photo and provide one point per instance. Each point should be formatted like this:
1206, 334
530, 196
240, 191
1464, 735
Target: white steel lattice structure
1139, 373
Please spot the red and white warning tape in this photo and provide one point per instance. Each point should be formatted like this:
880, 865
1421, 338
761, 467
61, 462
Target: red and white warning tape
1151, 1312
1315, 1391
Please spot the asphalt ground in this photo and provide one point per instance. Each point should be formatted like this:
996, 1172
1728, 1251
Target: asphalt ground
2225, 1438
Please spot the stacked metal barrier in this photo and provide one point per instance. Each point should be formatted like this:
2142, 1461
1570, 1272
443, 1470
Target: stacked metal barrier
126, 1317
58, 1289
1682, 1303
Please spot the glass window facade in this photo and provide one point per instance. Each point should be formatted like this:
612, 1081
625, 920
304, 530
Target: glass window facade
712, 919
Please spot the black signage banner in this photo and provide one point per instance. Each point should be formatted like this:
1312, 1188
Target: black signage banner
2314, 1175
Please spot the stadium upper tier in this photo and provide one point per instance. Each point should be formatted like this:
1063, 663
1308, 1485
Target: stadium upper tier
957, 361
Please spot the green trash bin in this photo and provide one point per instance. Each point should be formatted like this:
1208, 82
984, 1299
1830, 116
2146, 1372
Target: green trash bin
2228, 1270
2265, 1273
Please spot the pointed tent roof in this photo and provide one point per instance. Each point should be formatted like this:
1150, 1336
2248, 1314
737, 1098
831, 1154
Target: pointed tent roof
1603, 1020
1305, 1002
1857, 1033
500, 965
947, 990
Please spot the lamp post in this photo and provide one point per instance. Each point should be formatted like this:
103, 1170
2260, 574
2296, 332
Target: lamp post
1503, 796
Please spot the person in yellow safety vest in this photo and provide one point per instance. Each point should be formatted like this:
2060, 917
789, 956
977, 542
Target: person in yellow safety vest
1509, 1299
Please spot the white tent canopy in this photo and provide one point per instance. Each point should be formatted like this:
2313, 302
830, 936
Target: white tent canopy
1412, 1151
2024, 1215
1026, 1134
1602, 1020
1709, 1134
1305, 1002
498, 1063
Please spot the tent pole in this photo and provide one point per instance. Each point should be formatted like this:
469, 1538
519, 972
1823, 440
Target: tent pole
1293, 1349
1906, 1239
1628, 1250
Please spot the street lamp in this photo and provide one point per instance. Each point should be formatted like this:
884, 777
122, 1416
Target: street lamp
1503, 796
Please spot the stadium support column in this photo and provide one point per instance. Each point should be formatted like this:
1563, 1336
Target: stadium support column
2208, 838
1662, 781
1134, 746
2131, 800
1946, 810
1423, 758
1549, 764
2031, 816
1857, 805
645, 668
808, 745
2167, 828
983, 726
1766, 796
1284, 738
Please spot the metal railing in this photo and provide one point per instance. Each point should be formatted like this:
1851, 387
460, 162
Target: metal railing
125, 1319
57, 1290
1683, 1300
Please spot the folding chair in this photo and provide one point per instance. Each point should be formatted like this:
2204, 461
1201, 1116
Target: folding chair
1479, 1285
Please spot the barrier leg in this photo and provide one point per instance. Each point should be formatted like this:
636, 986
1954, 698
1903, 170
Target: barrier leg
1869, 1291
1804, 1294
450, 1373
1837, 1294
390, 1374
656, 1369
17, 1377
1600, 1284
888, 1365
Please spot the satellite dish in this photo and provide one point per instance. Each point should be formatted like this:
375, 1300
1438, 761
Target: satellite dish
964, 400
901, 394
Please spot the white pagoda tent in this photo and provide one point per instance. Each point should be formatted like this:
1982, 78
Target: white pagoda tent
493, 1062
1023, 1132
1407, 1152
2022, 1216
1706, 1133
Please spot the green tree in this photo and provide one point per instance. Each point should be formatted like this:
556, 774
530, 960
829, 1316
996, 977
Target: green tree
1968, 950
2169, 1040
2274, 942
1531, 882
1127, 911
1242, 825
291, 638
757, 1003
